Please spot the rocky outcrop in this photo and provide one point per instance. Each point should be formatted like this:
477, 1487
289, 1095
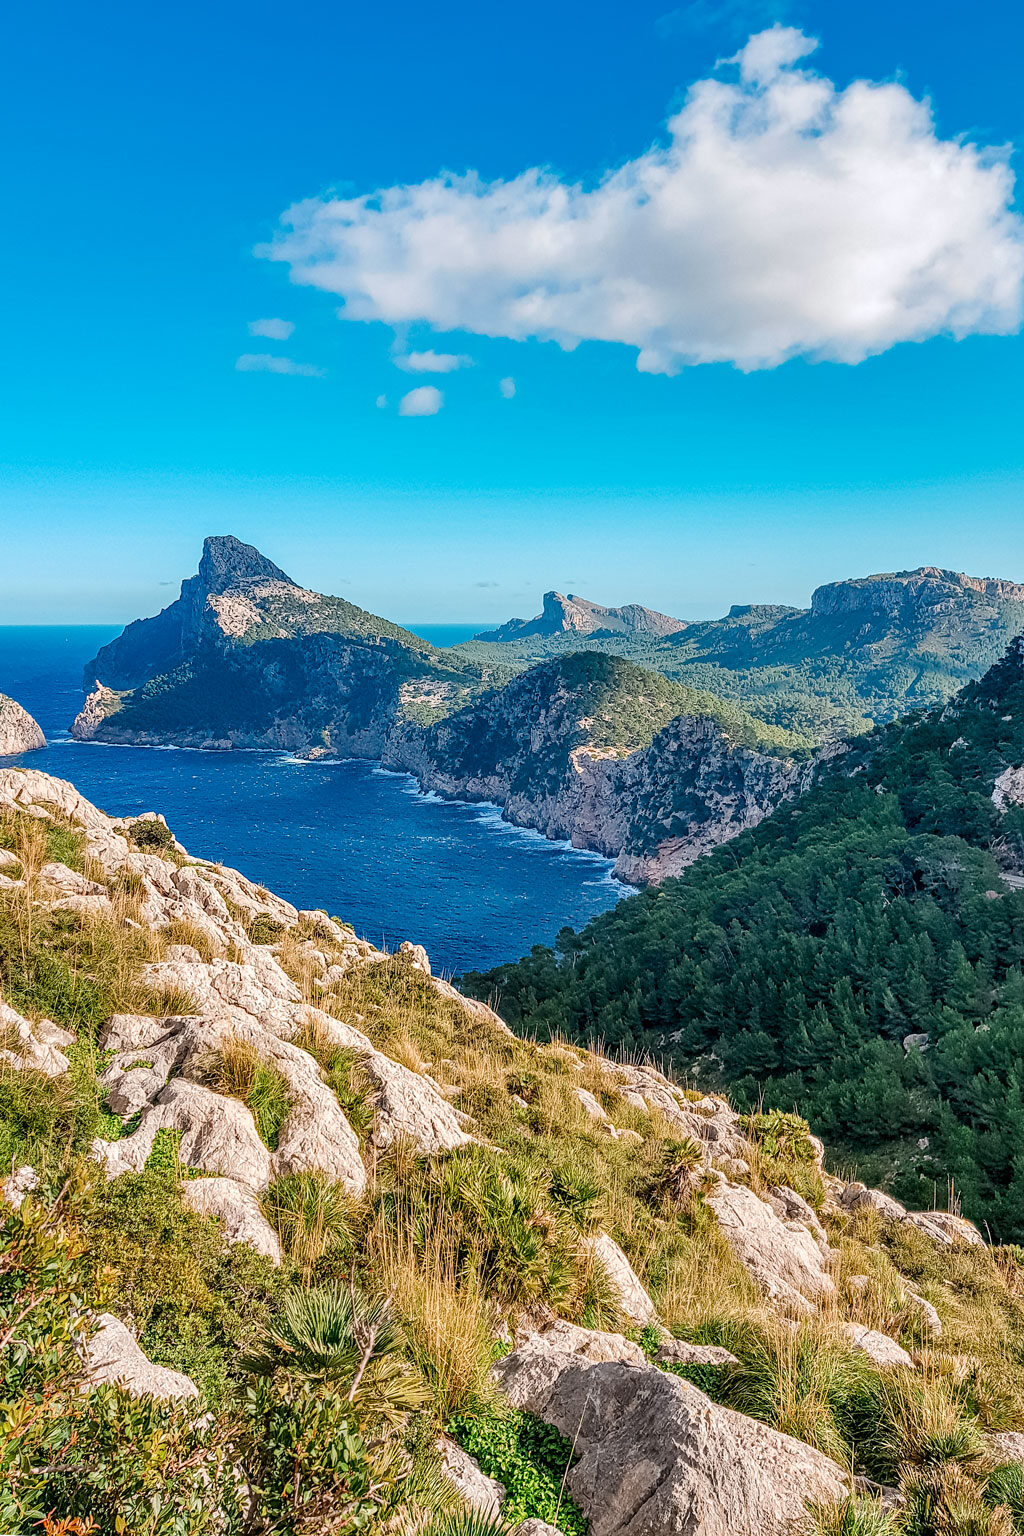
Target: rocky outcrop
906, 594
579, 616
237, 1210
655, 1454
112, 1356
625, 1284
18, 731
480, 1492
783, 1256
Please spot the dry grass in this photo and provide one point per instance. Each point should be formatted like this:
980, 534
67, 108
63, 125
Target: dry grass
447, 1320
180, 931
238, 1070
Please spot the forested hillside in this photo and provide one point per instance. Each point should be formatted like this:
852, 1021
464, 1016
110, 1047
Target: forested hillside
793, 964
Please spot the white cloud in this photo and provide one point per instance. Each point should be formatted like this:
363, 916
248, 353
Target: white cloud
508, 388
783, 217
425, 401
382, 402
274, 330
264, 362
433, 362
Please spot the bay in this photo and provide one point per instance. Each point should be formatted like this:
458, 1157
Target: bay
347, 836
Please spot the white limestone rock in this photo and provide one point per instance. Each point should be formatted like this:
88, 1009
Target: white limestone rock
590, 1104
473, 1486
927, 1316
113, 1356
782, 1257
18, 731
33, 1046
878, 1347
17, 1185
218, 1134
1006, 1445
656, 1455
531, 1370
943, 1227
680, 1352
238, 1211
632, 1299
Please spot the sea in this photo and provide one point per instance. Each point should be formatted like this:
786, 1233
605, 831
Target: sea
363, 843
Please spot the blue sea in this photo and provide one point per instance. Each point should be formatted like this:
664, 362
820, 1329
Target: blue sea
347, 836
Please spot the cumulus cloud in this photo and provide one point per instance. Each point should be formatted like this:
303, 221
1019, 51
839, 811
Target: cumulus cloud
425, 401
782, 217
273, 330
433, 362
265, 362
508, 388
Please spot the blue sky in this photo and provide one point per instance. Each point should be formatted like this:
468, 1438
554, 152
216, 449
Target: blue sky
155, 152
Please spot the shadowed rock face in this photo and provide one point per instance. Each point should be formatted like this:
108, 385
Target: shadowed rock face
149, 647
18, 731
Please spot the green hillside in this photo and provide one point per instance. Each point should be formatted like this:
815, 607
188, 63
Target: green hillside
792, 964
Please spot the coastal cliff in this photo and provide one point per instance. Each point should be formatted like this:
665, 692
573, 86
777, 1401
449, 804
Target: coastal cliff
602, 754
18, 731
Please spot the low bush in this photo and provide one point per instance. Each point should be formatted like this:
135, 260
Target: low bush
532, 1460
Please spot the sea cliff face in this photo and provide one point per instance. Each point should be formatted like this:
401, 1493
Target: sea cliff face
654, 810
18, 731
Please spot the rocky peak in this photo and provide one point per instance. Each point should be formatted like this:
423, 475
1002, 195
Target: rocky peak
888, 594
227, 562
572, 614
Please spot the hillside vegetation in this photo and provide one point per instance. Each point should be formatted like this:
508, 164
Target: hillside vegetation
866, 650
358, 1230
859, 955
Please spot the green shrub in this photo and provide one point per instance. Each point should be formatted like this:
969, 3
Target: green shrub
853, 1517
264, 930
531, 1459
154, 836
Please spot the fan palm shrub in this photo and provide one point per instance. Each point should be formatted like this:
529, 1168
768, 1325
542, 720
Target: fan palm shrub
333, 1336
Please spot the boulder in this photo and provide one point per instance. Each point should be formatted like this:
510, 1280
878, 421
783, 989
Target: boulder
238, 1211
928, 1318
112, 1355
17, 1185
878, 1347
530, 1371
474, 1487
35, 1046
943, 1227
217, 1134
633, 1301
781, 1256
18, 731
589, 1104
1006, 1445
680, 1352
657, 1456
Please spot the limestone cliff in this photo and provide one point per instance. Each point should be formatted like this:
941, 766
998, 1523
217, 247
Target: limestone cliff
247, 658
18, 731
588, 749
575, 615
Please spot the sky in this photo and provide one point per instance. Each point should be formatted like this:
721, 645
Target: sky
446, 306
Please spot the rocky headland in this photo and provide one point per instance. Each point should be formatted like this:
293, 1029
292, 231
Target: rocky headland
18, 731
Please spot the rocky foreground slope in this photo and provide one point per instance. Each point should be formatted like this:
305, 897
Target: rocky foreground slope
301, 1240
